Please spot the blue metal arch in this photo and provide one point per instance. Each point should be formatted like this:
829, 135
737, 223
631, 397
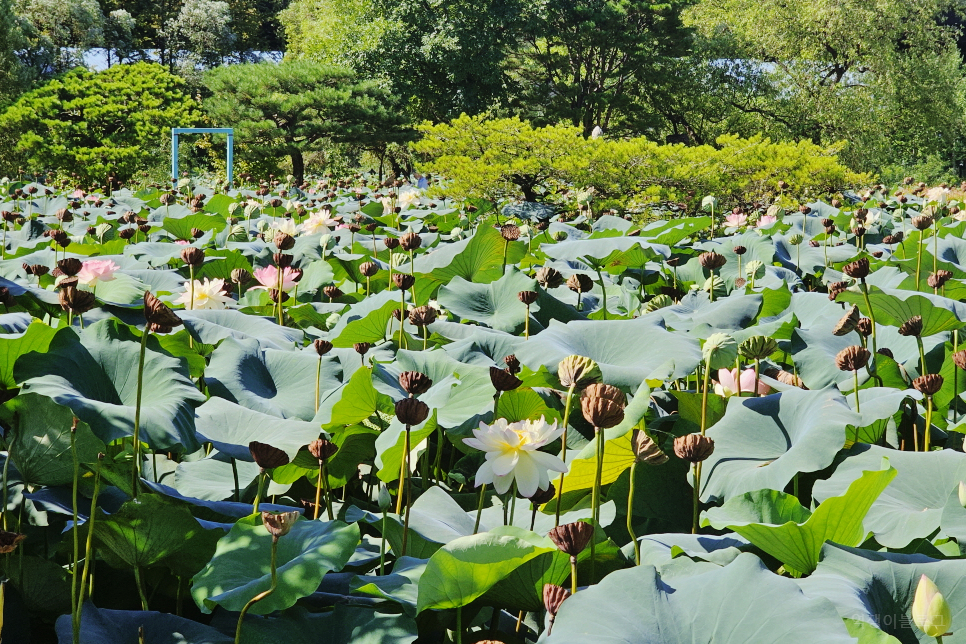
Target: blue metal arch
176, 131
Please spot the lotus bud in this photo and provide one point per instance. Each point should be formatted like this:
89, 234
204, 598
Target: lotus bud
512, 364
693, 448
323, 449
578, 372
858, 269
157, 312
559, 235
503, 380
603, 405
930, 611
852, 358
411, 411
572, 538
712, 260
757, 347
928, 384
646, 451
414, 383
403, 281
327, 242
193, 256
422, 316
962, 493
9, 542
266, 456
527, 297
384, 500
658, 302
720, 351
410, 242
864, 327
912, 326
510, 232
332, 320
755, 269
710, 202
549, 277
847, 323
278, 525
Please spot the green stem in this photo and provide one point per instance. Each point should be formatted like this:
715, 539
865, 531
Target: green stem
868, 305
595, 500
630, 516
928, 431
234, 475
6, 465
89, 546
140, 585
318, 495
318, 384
136, 470
75, 605
324, 470
919, 260
479, 509
704, 397
262, 476
955, 402
855, 375
603, 293
506, 246
382, 547
697, 507
409, 491
459, 625
573, 575
563, 451
922, 357
260, 596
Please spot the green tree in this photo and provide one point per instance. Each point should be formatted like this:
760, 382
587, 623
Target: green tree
300, 106
90, 123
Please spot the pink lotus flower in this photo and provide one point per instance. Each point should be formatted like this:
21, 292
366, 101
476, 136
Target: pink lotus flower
728, 383
77, 194
767, 220
95, 271
736, 221
267, 278
182, 242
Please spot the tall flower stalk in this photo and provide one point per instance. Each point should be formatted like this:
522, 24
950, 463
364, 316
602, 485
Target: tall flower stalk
574, 372
410, 412
323, 449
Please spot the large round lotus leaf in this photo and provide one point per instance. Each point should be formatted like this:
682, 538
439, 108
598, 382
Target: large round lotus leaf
628, 351
764, 442
740, 603
36, 336
878, 405
96, 376
495, 305
123, 626
660, 550
271, 381
343, 624
878, 588
212, 326
230, 428
697, 310
241, 566
912, 506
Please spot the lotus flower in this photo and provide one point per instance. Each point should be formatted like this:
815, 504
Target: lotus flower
728, 381
736, 221
267, 278
512, 454
387, 205
930, 610
95, 271
286, 226
204, 295
318, 222
767, 220
408, 197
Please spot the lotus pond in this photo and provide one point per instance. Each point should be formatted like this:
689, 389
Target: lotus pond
346, 413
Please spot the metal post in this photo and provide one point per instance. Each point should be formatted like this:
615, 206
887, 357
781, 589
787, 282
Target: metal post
231, 159
174, 155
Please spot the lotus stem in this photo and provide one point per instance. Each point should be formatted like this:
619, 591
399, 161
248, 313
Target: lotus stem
75, 605
318, 384
697, 506
630, 515
89, 546
855, 376
6, 465
919, 260
711, 290
603, 293
573, 573
407, 484
955, 401
868, 305
595, 499
260, 596
425, 337
262, 476
526, 326
234, 475
140, 585
402, 317
704, 397
459, 625
382, 546
757, 376
479, 509
563, 451
136, 470
506, 247
318, 494
928, 431
281, 320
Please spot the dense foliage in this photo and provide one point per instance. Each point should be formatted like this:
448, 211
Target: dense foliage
281, 413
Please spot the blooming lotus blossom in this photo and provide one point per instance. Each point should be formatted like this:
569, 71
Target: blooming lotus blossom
736, 221
95, 271
267, 278
767, 220
286, 226
728, 382
204, 295
182, 242
513, 454
387, 205
408, 197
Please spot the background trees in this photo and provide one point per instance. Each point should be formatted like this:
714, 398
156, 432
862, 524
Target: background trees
296, 107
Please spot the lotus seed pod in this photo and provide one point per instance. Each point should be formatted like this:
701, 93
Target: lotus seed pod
578, 372
74, 300
278, 525
939, 278
572, 538
368, 269
930, 610
646, 451
157, 312
847, 323
543, 496
580, 283
503, 380
403, 281
755, 269
512, 364
852, 358
658, 302
241, 276
266, 456
959, 358
714, 282
712, 260
323, 449
603, 405
362, 348
410, 242
864, 327
720, 351
912, 326
786, 378
739, 250
549, 277
193, 256
776, 211
422, 316
414, 383
757, 347
9, 541
693, 448
858, 269
322, 347
836, 288
510, 232
796, 239
411, 411
70, 266
527, 297
922, 222
928, 384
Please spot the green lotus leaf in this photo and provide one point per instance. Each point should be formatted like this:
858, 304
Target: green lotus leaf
212, 326
495, 304
123, 626
36, 337
230, 428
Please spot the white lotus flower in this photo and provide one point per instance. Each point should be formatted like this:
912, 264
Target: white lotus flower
408, 197
206, 295
318, 222
286, 226
513, 454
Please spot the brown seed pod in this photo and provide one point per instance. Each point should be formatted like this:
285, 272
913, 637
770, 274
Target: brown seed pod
76, 301
512, 364
266, 456
322, 347
241, 276
553, 597
852, 358
193, 256
157, 312
414, 383
543, 496
885, 351
403, 281
580, 283
912, 326
786, 378
847, 323
939, 278
362, 348
274, 295
646, 450
549, 277
411, 411
9, 541
739, 250
368, 269
332, 292
922, 222
864, 327
284, 241
693, 448
70, 266
510, 232
527, 297
422, 316
959, 358
282, 260
712, 260
323, 449
410, 242
391, 243
602, 405
572, 538
503, 380
928, 384
278, 525
859, 269
836, 288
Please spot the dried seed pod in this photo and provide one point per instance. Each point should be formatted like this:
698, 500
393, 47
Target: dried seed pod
410, 242
332, 292
847, 323
282, 260
278, 525
939, 278
912, 326
266, 456
864, 327
553, 597
510, 232
922, 222
323, 449
391, 243
274, 295
157, 312
362, 348
786, 378
646, 450
959, 358
422, 316
503, 380
603, 405
36, 269
512, 364
368, 269
284, 241
76, 301
580, 283
572, 538
693, 448
549, 277
411, 411
712, 260
885, 351
414, 383
9, 541
738, 250
859, 269
527, 297
193, 256
403, 281
852, 358
928, 384
241, 276
322, 347
70, 266
543, 496
837, 288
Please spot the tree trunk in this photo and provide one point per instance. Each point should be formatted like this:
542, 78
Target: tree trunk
298, 167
